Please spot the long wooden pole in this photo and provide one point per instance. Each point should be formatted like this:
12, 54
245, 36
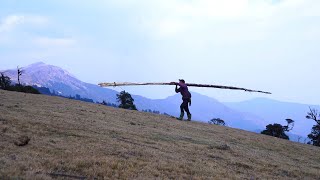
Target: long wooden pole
114, 84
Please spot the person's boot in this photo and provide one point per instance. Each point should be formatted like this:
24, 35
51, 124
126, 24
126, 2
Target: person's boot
189, 117
181, 116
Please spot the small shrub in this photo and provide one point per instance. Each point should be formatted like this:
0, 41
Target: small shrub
217, 121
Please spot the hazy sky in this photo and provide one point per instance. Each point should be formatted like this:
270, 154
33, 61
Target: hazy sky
270, 45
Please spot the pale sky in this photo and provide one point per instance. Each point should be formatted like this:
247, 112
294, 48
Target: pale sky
270, 45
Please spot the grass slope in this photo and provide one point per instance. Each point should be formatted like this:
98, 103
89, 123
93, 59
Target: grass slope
73, 139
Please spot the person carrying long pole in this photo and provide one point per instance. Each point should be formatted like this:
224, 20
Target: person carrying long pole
186, 98
183, 89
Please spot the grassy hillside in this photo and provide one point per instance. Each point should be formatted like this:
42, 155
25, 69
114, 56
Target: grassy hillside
73, 139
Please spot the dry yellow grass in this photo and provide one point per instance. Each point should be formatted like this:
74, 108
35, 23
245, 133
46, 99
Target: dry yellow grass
77, 140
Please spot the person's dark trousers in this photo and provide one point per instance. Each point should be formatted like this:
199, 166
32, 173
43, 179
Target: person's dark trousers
184, 107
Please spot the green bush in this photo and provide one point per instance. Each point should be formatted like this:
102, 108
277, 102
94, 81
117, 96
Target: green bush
5, 82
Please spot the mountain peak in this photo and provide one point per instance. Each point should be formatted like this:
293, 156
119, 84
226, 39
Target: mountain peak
47, 69
37, 64
47, 75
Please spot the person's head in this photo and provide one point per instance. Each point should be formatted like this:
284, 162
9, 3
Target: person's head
182, 81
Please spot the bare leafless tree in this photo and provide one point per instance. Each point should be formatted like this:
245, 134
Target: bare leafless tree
314, 114
289, 126
20, 72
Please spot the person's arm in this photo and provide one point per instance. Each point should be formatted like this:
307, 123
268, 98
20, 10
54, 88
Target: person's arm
177, 89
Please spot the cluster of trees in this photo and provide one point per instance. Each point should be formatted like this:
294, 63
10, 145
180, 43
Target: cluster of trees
278, 130
6, 84
79, 98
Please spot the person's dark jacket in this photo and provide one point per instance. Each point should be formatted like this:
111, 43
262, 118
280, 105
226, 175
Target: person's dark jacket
183, 89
